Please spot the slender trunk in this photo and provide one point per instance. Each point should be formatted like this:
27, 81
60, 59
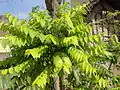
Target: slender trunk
51, 6
56, 79
63, 79
63, 1
56, 83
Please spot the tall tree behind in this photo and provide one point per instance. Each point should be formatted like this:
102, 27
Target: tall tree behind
52, 5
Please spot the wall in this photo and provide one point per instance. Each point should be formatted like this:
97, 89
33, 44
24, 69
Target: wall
3, 51
77, 2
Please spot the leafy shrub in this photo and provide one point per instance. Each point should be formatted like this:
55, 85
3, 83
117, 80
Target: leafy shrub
43, 48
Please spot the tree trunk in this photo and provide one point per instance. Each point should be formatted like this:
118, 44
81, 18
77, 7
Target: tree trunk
56, 83
52, 5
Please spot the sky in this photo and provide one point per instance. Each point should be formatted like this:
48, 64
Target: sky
19, 8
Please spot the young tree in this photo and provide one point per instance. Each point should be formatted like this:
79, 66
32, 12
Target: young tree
43, 47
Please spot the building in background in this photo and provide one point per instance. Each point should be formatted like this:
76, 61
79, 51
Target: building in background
108, 29
77, 2
3, 51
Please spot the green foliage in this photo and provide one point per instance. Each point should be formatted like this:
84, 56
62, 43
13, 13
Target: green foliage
36, 52
43, 48
41, 80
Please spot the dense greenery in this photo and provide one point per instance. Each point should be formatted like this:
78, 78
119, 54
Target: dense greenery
43, 48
